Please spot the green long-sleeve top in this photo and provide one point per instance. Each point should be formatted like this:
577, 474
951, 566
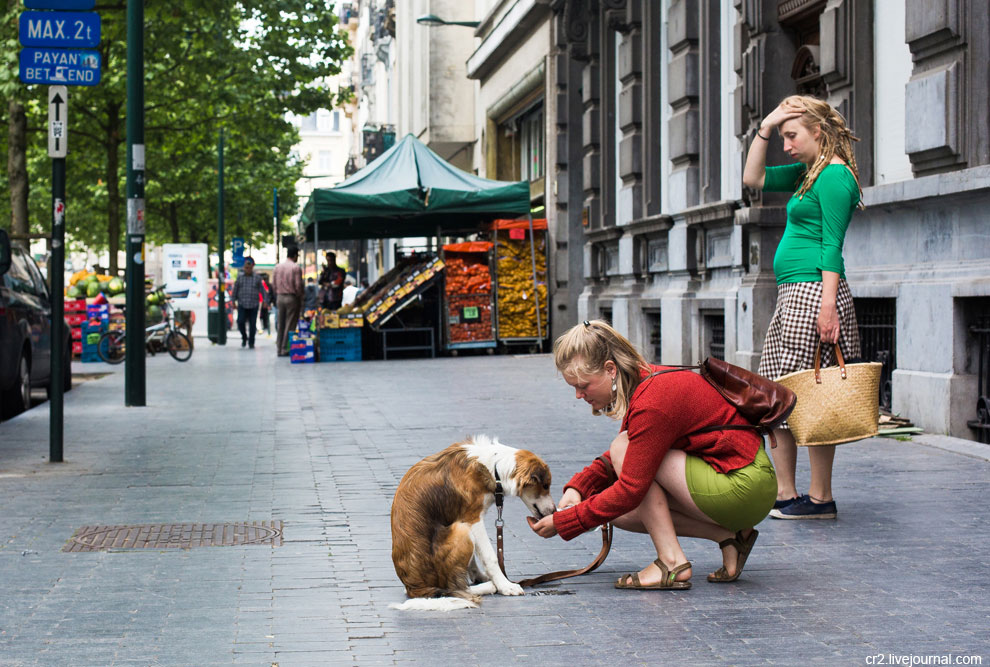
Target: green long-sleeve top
816, 223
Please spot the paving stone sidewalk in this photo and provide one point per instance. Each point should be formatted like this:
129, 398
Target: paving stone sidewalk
236, 435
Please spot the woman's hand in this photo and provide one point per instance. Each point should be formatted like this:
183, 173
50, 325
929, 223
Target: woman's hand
544, 527
570, 498
782, 114
828, 323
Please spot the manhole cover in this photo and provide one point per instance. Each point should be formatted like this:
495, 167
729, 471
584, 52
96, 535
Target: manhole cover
175, 536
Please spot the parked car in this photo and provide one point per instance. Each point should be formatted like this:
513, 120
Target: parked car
25, 331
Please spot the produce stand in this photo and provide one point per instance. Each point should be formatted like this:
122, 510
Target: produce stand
409, 191
521, 281
468, 297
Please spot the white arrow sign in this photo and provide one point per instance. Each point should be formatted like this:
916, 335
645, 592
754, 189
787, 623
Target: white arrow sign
58, 121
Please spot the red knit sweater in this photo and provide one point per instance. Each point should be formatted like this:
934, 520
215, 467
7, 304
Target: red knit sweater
662, 411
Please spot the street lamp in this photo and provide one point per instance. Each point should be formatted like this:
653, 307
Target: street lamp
434, 20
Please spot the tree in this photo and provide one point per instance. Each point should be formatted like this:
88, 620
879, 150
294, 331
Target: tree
208, 64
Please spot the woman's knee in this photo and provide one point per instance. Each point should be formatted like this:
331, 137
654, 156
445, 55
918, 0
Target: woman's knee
617, 451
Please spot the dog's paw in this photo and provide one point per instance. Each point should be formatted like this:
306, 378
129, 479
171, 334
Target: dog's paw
509, 588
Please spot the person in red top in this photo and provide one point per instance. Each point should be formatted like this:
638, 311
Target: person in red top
668, 481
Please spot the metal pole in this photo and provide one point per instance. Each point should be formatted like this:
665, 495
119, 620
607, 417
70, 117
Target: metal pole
275, 220
57, 281
134, 371
536, 288
221, 283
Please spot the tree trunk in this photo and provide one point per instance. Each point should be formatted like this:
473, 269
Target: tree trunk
17, 170
113, 185
173, 221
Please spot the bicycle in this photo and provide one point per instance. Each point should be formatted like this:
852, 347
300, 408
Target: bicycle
112, 347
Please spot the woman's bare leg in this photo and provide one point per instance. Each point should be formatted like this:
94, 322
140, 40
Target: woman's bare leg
668, 511
821, 459
785, 463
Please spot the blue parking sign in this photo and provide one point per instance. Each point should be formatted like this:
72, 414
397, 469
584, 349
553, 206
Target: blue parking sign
237, 248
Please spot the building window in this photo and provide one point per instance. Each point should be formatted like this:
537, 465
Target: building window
714, 334
652, 318
531, 137
325, 159
610, 259
605, 313
877, 321
308, 123
336, 121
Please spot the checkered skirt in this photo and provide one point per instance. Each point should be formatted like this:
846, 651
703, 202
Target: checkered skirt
793, 333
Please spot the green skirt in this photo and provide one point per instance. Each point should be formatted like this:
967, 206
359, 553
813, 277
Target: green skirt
738, 499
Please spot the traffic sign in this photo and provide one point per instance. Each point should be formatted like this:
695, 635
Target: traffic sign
68, 67
58, 121
72, 30
59, 4
237, 252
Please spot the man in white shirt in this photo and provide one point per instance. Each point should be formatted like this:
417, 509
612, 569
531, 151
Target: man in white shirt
350, 291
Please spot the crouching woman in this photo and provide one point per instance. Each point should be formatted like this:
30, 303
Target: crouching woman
669, 478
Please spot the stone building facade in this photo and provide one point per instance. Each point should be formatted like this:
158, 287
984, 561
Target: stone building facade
654, 105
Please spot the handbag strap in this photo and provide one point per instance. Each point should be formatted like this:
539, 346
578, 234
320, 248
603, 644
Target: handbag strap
818, 361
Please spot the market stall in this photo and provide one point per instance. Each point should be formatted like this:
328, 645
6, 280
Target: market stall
410, 191
521, 281
468, 296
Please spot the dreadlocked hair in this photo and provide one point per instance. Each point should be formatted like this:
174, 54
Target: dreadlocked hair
835, 138
584, 349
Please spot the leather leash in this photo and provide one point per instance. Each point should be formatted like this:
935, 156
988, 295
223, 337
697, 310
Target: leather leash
549, 576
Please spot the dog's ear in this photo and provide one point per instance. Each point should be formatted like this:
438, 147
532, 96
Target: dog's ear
540, 481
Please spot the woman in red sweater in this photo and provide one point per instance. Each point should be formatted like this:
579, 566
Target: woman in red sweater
671, 481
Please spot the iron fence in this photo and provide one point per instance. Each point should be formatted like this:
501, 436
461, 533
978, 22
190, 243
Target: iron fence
877, 320
715, 335
980, 332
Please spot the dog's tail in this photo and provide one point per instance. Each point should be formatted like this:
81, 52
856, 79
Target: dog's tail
438, 599
434, 604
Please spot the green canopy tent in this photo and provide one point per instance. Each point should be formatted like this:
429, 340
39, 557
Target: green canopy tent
410, 191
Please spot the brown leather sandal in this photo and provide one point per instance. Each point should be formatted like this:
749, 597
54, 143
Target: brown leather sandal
667, 579
743, 546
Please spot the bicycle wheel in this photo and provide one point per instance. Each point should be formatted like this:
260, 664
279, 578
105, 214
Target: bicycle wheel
178, 345
112, 347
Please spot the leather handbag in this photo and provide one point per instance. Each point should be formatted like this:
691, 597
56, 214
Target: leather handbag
765, 404
837, 404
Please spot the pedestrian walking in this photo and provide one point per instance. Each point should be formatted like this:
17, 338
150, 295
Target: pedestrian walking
265, 304
660, 475
248, 294
814, 303
288, 287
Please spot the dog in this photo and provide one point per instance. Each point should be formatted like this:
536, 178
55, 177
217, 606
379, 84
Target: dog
439, 542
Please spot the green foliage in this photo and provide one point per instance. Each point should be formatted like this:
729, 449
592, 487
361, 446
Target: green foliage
209, 64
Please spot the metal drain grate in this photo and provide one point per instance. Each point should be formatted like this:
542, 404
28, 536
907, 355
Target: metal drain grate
175, 536
551, 591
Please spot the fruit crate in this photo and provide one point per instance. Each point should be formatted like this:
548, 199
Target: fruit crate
340, 345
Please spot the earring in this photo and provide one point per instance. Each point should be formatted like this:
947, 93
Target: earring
613, 384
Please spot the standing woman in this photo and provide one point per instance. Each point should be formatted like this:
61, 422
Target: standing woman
814, 304
666, 474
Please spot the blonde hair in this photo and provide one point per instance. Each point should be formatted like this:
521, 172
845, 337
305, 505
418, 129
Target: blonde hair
835, 138
584, 349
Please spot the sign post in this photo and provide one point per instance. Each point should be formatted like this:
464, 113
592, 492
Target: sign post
58, 105
55, 55
134, 370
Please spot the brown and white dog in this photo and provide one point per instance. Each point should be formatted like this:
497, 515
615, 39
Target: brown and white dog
439, 541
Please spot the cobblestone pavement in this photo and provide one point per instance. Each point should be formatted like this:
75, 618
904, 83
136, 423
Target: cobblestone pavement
234, 436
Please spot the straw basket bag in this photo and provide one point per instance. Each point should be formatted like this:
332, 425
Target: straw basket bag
836, 404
